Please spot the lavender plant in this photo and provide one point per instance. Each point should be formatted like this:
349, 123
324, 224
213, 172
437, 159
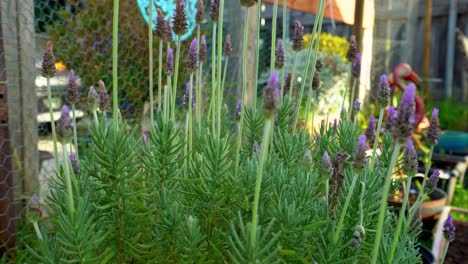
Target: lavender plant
263, 193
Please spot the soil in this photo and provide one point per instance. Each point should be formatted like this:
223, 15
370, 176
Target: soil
458, 249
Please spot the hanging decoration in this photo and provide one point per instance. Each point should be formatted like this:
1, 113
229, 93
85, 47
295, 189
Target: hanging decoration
168, 8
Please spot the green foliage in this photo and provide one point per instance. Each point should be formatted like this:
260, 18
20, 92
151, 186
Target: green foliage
83, 42
452, 114
161, 201
460, 199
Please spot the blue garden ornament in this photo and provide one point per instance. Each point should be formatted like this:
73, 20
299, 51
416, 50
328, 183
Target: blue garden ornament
168, 7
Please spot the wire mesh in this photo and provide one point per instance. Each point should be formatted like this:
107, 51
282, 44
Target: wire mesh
81, 31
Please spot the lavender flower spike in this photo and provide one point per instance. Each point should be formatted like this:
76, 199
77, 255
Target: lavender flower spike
228, 46
287, 82
298, 36
433, 132
160, 29
167, 37
356, 66
391, 119
383, 97
33, 201
326, 166
316, 79
214, 10
203, 51
192, 58
271, 95
335, 125
370, 130
73, 91
356, 106
410, 159
93, 99
405, 119
48, 61
74, 163
255, 147
352, 50
186, 97
180, 19
64, 125
200, 12
170, 62
433, 181
238, 109
449, 229
280, 56
359, 156
104, 101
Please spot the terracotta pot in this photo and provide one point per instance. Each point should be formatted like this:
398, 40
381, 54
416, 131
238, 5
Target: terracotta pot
438, 199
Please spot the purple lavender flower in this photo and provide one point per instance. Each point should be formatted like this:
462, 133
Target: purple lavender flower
316, 79
370, 130
228, 46
405, 119
200, 12
203, 51
64, 125
410, 159
280, 56
352, 50
160, 29
104, 101
192, 58
298, 36
359, 156
433, 181
391, 119
74, 163
145, 137
186, 97
326, 166
356, 66
383, 97
238, 109
214, 10
48, 61
356, 106
287, 83
358, 236
180, 19
167, 36
376, 163
335, 126
170, 62
449, 229
248, 3
433, 132
73, 91
33, 201
255, 147
271, 95
93, 99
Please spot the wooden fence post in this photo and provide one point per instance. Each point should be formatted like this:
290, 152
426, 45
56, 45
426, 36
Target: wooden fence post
18, 73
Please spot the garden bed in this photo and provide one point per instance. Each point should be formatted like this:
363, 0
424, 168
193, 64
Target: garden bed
457, 252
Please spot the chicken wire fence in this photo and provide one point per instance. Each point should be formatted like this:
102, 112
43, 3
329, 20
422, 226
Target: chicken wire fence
81, 31
399, 30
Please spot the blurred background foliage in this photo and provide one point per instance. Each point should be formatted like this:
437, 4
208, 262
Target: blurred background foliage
83, 42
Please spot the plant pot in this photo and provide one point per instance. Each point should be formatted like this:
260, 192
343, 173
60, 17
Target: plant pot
426, 254
431, 207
